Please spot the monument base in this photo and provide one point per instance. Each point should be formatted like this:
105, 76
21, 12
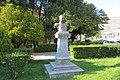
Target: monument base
54, 71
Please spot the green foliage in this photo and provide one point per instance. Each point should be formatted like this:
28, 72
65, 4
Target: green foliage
2, 2
21, 25
96, 42
83, 18
87, 42
88, 23
45, 48
5, 44
94, 51
21, 3
26, 50
15, 64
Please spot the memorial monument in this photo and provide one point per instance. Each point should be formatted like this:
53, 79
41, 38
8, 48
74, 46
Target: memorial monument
62, 65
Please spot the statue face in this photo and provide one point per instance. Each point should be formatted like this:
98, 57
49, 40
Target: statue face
61, 18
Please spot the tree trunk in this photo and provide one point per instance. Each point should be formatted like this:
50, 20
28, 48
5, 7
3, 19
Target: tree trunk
37, 43
34, 46
80, 37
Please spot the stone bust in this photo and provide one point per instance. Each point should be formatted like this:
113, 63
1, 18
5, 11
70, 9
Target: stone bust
61, 25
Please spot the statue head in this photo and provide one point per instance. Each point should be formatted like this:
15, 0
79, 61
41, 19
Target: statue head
61, 18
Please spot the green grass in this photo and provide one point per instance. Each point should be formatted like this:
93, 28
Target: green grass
95, 69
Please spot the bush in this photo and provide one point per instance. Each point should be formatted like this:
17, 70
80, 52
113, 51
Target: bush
45, 48
5, 44
87, 42
94, 51
15, 64
96, 42
27, 50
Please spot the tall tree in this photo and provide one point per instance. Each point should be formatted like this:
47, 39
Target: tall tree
21, 25
82, 17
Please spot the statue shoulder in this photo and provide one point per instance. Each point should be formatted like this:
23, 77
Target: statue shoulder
56, 24
66, 24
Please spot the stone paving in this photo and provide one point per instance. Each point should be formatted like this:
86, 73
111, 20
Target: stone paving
43, 56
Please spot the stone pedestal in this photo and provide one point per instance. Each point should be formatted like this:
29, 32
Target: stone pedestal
62, 65
53, 70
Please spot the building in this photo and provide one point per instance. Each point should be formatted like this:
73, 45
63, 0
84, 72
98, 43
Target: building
112, 30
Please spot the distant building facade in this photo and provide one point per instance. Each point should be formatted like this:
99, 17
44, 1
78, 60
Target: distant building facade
111, 33
112, 29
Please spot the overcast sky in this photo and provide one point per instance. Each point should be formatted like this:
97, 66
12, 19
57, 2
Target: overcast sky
111, 7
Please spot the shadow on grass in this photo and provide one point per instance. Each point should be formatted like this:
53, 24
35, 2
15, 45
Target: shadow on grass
116, 65
91, 68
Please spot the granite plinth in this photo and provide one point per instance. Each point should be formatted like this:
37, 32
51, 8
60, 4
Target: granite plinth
53, 70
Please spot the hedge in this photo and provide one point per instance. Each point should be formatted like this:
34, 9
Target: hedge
94, 51
15, 64
86, 42
20, 50
27, 50
45, 48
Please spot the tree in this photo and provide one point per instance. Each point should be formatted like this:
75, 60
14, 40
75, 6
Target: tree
21, 25
89, 21
82, 17
2, 2
5, 44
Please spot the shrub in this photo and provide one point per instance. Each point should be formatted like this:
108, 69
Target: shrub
15, 64
96, 42
45, 48
94, 51
5, 44
87, 42
27, 50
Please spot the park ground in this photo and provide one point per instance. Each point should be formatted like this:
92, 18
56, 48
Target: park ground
95, 69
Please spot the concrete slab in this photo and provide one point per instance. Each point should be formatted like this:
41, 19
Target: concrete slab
54, 71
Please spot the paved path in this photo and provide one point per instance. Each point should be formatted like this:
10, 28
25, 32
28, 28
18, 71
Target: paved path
43, 56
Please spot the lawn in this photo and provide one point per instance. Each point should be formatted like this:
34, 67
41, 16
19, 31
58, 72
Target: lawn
95, 69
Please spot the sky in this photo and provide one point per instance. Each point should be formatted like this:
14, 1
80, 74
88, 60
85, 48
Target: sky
111, 7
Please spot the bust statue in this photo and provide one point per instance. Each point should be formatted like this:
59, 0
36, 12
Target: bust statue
61, 25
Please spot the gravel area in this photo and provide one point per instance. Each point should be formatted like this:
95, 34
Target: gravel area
43, 56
